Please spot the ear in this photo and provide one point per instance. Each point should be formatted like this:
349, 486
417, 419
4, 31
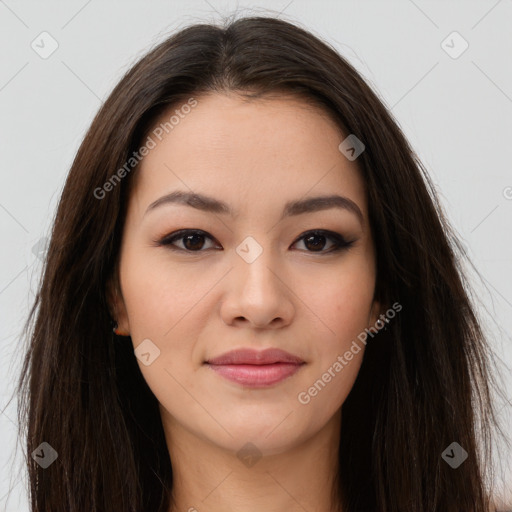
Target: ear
376, 311
117, 306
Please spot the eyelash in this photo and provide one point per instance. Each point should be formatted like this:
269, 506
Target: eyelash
340, 243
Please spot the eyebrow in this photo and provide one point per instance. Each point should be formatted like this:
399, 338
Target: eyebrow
209, 204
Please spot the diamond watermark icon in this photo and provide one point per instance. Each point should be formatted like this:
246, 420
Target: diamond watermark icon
147, 352
44, 455
40, 247
249, 249
249, 454
351, 147
454, 455
454, 45
44, 45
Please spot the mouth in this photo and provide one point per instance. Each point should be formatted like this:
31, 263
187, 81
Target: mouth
256, 369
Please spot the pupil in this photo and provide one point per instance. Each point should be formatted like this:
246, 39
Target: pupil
188, 238
318, 246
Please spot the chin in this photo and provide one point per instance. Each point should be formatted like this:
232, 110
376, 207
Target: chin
269, 434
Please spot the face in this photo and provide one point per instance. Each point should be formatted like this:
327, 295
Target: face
199, 279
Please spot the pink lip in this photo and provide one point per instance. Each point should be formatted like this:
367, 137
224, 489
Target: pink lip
254, 368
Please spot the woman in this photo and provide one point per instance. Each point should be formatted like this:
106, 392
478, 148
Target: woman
291, 324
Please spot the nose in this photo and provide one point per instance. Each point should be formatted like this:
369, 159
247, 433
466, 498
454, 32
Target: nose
257, 294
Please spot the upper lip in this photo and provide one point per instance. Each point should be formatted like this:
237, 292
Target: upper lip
257, 357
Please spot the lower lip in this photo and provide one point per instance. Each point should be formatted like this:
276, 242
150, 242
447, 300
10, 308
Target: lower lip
256, 376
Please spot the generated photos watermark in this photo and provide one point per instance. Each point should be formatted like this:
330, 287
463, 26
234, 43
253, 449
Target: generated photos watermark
304, 397
157, 133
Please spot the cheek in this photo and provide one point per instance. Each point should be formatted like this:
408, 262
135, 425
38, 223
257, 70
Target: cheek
166, 304
342, 302
342, 305
160, 305
158, 295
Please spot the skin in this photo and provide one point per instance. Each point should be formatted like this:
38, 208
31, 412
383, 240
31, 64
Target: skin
254, 155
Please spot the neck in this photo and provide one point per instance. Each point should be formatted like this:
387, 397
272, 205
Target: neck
208, 477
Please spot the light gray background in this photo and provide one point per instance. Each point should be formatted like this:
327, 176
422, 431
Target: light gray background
457, 113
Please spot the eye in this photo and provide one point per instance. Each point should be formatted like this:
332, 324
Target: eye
192, 240
315, 240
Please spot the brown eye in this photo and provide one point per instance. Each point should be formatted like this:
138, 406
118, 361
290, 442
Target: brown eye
315, 241
191, 240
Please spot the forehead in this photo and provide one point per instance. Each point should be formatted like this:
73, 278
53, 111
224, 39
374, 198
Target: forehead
257, 150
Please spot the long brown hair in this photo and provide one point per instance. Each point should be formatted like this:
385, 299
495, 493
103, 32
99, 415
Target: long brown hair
423, 383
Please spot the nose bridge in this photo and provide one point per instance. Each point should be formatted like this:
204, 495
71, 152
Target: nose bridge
257, 265
255, 290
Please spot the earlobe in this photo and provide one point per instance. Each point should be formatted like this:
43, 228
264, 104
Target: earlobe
118, 331
376, 313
